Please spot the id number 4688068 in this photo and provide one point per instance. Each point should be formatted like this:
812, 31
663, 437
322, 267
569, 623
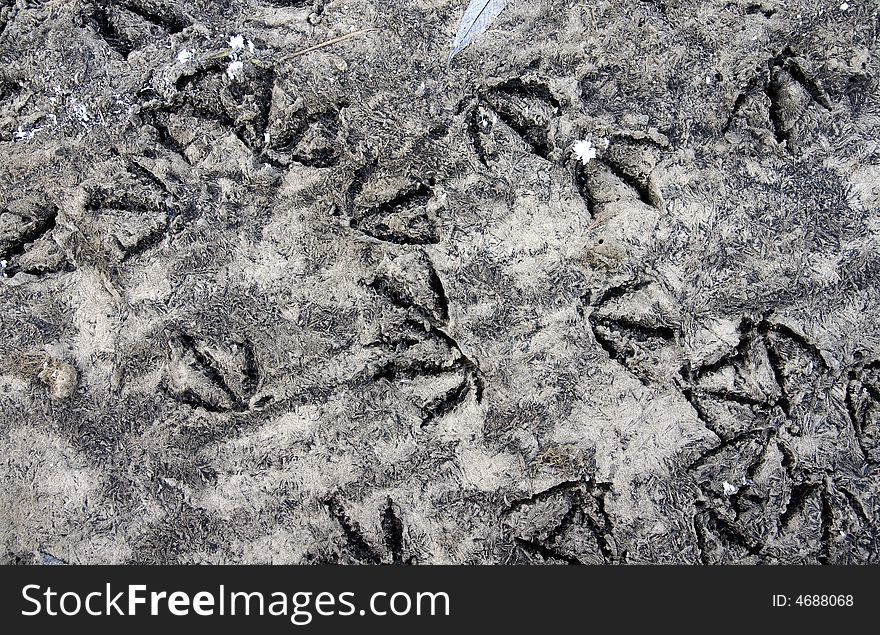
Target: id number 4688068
813, 600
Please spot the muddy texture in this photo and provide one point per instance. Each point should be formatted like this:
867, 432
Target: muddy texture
357, 306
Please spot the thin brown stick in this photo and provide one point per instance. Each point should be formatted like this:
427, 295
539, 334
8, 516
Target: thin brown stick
330, 42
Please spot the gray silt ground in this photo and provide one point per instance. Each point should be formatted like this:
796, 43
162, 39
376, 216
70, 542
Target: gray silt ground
359, 306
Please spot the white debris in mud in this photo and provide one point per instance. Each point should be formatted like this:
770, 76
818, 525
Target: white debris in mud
729, 490
236, 43
184, 56
585, 151
81, 112
844, 6
234, 69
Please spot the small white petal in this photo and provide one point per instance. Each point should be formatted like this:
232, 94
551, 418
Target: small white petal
585, 151
236, 43
234, 69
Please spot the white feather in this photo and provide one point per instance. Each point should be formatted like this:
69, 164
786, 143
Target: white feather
477, 18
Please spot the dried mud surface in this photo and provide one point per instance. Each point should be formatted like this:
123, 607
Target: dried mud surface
360, 306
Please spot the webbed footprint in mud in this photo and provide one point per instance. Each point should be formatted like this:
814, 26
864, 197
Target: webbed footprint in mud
565, 524
636, 325
122, 220
27, 242
215, 377
397, 210
414, 352
241, 104
757, 508
355, 545
514, 113
736, 393
411, 282
772, 371
131, 24
623, 174
310, 139
785, 99
745, 487
426, 366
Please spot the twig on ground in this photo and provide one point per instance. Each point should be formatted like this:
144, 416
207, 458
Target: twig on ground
330, 42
